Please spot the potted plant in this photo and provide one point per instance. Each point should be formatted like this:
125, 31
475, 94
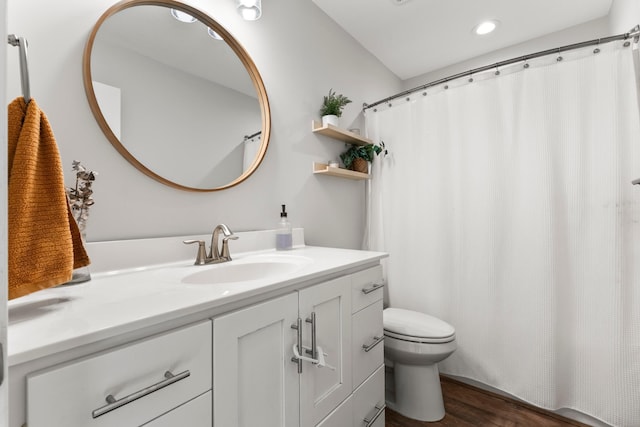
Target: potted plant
357, 157
332, 106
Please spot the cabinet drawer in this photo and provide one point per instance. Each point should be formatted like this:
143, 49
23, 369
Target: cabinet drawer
195, 413
367, 342
366, 288
75, 394
368, 401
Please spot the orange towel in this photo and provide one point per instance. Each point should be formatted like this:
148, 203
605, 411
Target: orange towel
44, 241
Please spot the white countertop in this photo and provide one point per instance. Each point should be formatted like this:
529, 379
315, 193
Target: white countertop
116, 302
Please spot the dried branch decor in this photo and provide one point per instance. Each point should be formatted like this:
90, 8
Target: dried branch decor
80, 197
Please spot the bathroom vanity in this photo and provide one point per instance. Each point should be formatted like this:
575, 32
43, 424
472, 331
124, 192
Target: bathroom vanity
271, 338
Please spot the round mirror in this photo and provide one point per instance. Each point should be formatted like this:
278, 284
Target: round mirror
176, 95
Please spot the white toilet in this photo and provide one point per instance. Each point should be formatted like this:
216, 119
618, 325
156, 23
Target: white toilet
413, 345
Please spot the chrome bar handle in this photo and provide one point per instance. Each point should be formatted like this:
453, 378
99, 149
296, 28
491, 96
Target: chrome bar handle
376, 341
113, 404
374, 287
298, 327
379, 410
314, 345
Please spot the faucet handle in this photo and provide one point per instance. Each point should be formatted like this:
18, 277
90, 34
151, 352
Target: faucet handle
225, 246
201, 257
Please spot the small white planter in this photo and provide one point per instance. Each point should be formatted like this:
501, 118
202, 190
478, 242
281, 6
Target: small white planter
330, 120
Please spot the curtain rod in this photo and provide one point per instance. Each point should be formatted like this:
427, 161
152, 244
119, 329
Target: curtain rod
634, 32
252, 135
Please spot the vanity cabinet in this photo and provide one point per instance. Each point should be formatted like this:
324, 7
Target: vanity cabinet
128, 386
208, 355
258, 380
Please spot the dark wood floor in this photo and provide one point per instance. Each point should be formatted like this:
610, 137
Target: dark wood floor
467, 406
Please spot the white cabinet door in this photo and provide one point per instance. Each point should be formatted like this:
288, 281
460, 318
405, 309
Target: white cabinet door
323, 388
255, 383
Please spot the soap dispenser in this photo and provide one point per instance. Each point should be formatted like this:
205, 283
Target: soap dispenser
284, 235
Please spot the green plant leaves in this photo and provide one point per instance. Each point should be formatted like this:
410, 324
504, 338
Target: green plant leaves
333, 104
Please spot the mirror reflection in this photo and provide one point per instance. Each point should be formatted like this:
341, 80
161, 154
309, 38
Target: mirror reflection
176, 95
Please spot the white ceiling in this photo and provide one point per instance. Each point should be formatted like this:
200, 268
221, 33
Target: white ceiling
413, 37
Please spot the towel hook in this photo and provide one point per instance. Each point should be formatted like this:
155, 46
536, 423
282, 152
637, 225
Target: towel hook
22, 44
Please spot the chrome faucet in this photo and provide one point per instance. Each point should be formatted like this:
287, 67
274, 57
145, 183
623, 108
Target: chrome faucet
215, 255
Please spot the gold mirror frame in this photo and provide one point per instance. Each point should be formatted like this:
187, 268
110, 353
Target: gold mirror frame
244, 57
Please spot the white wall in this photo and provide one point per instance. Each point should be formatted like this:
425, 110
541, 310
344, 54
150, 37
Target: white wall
300, 53
624, 15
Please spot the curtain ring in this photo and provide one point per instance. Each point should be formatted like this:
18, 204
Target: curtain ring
559, 58
424, 93
526, 64
408, 99
497, 73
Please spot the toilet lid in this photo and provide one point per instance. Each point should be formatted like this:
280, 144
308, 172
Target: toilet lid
415, 326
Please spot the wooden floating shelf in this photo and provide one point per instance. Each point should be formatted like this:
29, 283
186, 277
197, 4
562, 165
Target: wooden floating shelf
325, 169
339, 134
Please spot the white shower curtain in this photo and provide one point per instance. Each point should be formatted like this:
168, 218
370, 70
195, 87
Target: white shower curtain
507, 207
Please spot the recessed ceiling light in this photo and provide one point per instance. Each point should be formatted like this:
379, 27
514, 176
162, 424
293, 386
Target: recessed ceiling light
485, 27
182, 16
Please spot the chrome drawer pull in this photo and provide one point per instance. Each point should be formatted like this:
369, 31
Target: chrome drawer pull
376, 341
112, 403
374, 287
380, 409
314, 347
298, 326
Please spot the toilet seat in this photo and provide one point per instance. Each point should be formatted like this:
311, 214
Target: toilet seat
412, 326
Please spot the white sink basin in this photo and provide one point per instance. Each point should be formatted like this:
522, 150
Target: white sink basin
242, 270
